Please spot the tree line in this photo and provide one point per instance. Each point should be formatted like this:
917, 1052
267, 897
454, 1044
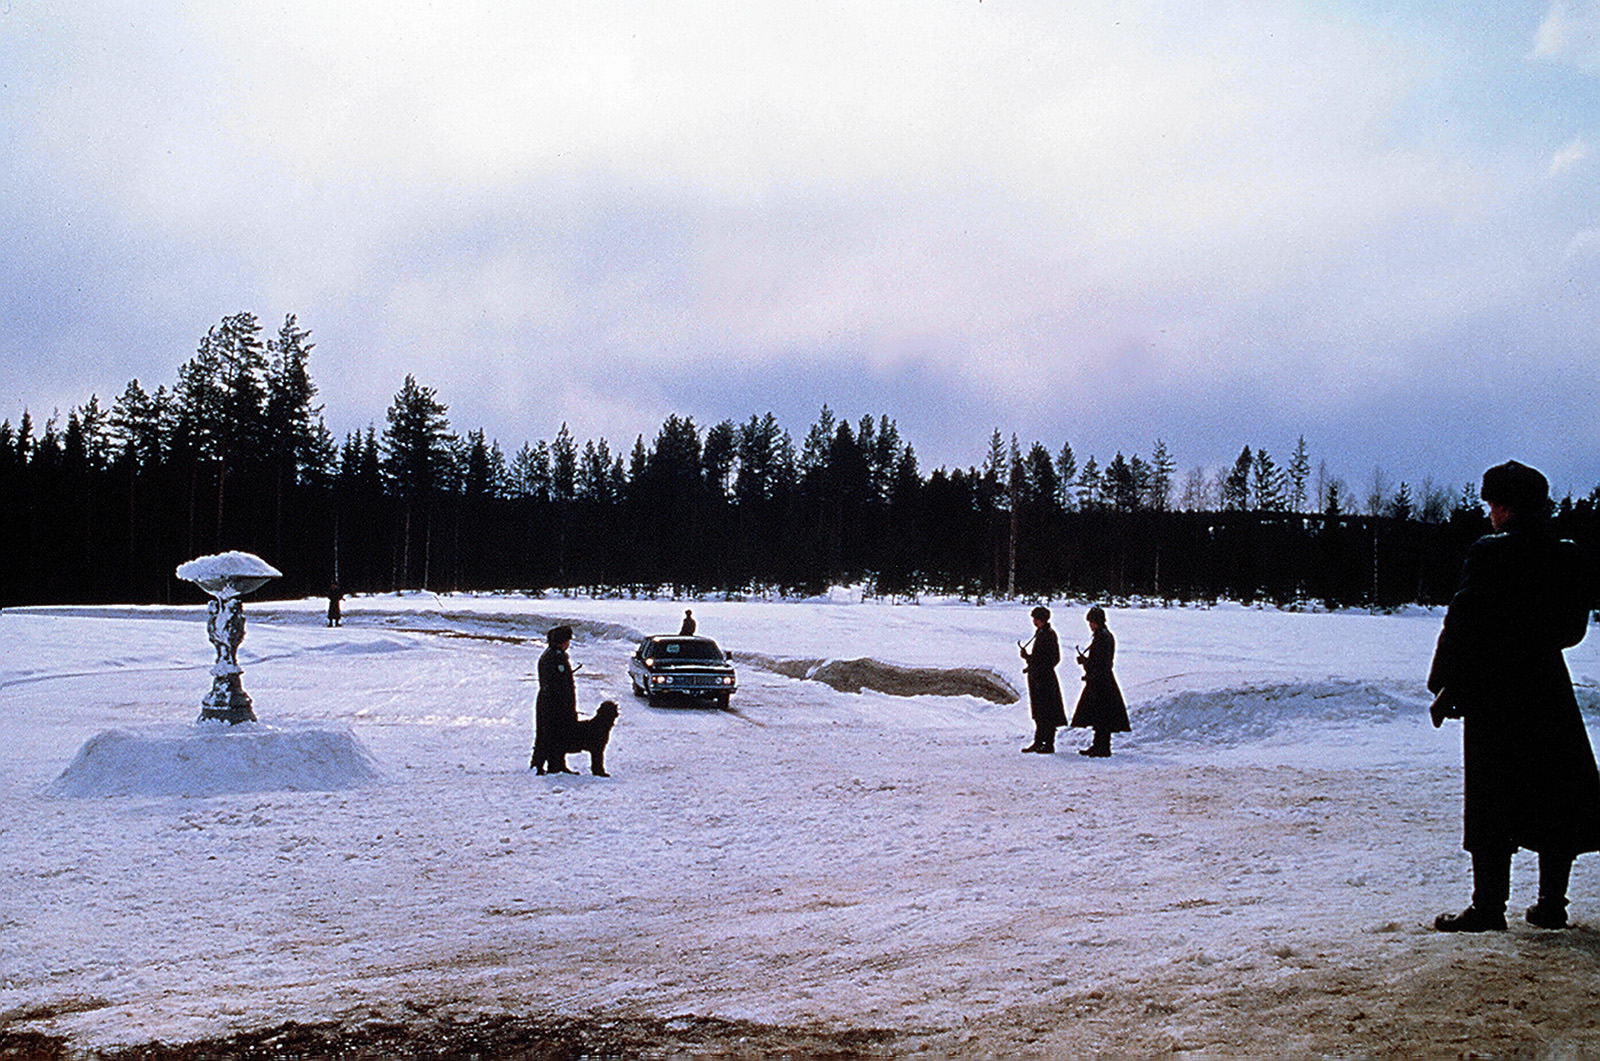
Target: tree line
103, 505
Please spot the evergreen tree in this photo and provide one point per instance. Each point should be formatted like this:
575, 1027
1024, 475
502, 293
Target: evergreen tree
1066, 470
1120, 486
1401, 507
718, 455
672, 490
530, 472
416, 453
1236, 486
1162, 468
22, 444
1267, 483
563, 467
1299, 471
138, 426
596, 484
293, 442
1091, 487
757, 479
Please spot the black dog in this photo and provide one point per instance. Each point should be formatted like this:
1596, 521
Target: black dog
592, 734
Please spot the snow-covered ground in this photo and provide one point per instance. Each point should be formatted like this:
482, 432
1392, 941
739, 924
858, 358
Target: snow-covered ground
1253, 871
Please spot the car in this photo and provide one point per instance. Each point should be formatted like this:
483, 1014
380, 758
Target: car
665, 667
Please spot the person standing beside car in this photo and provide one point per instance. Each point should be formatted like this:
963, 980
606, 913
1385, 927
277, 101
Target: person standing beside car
1529, 777
555, 711
1044, 690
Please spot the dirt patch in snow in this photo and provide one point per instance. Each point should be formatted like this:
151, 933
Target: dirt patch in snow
498, 1036
1518, 994
854, 675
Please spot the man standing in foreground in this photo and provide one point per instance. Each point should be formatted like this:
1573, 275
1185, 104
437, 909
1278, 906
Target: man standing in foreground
1530, 778
555, 712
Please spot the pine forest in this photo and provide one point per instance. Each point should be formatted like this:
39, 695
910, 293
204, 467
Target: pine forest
102, 504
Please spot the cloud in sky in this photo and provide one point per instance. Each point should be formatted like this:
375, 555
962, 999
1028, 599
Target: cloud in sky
1570, 31
1219, 224
1570, 157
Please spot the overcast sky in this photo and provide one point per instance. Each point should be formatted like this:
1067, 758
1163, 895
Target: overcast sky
1374, 223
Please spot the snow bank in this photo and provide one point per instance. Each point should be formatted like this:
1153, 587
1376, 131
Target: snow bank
854, 675
1254, 713
210, 759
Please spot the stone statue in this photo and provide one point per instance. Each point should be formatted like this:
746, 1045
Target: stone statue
226, 629
227, 577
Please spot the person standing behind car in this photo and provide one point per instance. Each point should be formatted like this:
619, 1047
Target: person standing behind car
1529, 777
1044, 691
1100, 705
688, 627
555, 711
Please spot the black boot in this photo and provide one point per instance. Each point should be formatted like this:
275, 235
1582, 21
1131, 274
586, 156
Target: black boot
1551, 909
1491, 887
1472, 919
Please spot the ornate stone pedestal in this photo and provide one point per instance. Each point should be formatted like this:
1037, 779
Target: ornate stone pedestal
227, 577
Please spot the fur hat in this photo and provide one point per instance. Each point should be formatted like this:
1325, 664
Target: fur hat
559, 635
1523, 490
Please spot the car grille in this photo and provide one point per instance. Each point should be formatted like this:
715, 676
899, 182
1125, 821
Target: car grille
695, 681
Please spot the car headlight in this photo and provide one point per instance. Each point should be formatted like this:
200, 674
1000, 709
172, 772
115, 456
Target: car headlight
659, 679
727, 679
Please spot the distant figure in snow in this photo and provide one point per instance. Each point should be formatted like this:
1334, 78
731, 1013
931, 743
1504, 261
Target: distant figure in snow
1100, 706
335, 595
1044, 691
555, 712
1529, 771
688, 627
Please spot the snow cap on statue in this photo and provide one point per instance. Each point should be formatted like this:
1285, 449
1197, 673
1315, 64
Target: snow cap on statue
1516, 486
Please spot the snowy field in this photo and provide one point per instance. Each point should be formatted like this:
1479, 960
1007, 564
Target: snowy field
1253, 872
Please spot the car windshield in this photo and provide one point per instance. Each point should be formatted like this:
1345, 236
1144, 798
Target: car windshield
696, 648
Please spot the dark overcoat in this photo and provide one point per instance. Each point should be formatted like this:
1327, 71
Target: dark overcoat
1100, 705
555, 711
1044, 689
1530, 778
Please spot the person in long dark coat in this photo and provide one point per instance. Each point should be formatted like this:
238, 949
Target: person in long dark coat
1529, 771
1044, 690
555, 712
1100, 705
688, 627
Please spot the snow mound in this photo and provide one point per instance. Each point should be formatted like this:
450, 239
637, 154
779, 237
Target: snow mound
212, 759
1253, 713
854, 675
